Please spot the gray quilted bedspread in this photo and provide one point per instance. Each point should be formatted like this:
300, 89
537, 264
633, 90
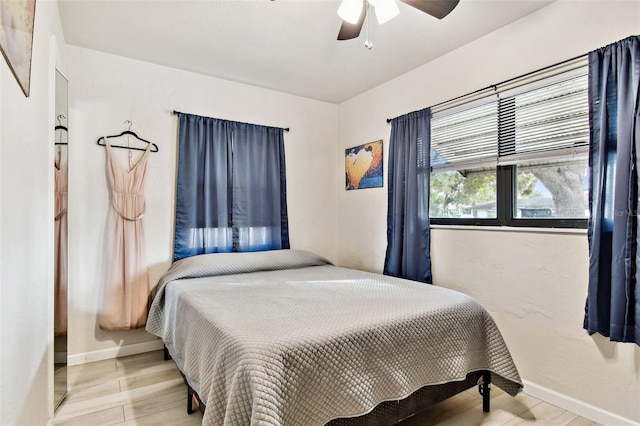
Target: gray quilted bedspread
286, 338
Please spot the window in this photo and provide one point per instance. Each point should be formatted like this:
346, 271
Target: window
517, 157
465, 193
231, 189
552, 190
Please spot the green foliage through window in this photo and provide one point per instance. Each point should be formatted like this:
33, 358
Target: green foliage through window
454, 194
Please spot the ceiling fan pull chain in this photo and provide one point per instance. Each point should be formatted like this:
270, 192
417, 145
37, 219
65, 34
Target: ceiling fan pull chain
367, 43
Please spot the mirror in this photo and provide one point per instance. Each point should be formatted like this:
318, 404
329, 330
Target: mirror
61, 141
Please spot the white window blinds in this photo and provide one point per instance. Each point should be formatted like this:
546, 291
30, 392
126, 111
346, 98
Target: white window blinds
539, 121
465, 138
551, 121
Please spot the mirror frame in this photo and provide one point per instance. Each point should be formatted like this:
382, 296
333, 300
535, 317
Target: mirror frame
61, 115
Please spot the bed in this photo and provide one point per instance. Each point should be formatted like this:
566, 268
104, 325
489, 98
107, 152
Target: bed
285, 338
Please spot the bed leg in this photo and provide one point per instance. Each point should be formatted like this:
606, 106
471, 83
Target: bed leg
485, 390
189, 400
167, 357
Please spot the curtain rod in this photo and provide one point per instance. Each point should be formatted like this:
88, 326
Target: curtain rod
286, 129
494, 86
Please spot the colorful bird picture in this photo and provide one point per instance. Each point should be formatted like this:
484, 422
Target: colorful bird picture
363, 166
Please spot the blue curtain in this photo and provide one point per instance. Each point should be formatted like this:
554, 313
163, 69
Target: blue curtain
231, 192
613, 302
408, 233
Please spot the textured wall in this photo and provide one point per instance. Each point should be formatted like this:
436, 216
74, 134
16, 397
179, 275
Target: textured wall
534, 285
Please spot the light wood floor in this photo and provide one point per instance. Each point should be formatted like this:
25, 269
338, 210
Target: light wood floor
146, 390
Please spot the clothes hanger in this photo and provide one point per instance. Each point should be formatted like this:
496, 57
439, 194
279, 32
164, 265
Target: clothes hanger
60, 127
101, 140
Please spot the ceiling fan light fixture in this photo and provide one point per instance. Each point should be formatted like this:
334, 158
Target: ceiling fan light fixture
350, 10
386, 10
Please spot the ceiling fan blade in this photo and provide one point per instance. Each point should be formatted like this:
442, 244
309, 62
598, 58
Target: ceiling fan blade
435, 8
348, 30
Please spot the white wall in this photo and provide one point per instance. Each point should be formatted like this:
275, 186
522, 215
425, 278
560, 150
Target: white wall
26, 229
106, 90
533, 283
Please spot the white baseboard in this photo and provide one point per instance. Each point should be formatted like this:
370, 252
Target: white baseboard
118, 351
576, 406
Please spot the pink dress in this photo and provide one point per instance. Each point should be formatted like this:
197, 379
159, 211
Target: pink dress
60, 249
126, 293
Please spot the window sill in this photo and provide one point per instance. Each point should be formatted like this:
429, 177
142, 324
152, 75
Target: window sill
530, 230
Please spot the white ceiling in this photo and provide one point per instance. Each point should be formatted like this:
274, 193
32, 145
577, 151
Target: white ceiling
285, 45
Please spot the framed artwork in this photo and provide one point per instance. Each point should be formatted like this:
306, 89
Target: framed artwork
16, 38
363, 166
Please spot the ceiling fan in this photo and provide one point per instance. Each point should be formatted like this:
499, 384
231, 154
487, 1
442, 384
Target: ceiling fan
353, 12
